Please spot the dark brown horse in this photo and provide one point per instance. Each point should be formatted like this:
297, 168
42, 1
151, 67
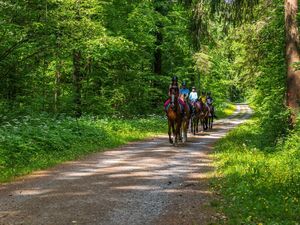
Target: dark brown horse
204, 112
174, 118
195, 116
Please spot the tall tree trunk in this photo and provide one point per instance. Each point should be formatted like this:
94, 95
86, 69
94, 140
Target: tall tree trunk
57, 85
292, 57
162, 9
158, 51
77, 77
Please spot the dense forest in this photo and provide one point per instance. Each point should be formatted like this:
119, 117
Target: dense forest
117, 57
92, 57
71, 69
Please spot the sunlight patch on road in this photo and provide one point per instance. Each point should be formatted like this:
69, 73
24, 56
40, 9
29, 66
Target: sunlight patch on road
138, 187
36, 191
10, 213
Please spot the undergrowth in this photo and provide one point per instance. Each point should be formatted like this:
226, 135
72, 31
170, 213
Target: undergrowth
35, 142
226, 109
259, 184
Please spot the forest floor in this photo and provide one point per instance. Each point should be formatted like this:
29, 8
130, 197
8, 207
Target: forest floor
147, 182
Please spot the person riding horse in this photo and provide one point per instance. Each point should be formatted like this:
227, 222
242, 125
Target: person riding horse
184, 90
193, 96
174, 94
209, 99
203, 97
175, 108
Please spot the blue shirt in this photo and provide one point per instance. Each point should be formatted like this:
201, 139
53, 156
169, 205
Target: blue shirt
184, 91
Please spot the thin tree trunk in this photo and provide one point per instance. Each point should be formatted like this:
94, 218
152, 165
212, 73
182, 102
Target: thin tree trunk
163, 10
77, 77
57, 86
158, 51
292, 57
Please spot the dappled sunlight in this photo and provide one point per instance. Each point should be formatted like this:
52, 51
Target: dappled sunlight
142, 178
34, 191
138, 187
4, 213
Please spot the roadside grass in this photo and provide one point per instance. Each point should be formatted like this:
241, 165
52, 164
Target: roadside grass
36, 142
226, 109
258, 184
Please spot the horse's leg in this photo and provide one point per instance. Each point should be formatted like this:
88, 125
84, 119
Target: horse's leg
169, 131
212, 118
187, 123
184, 129
194, 125
177, 132
179, 135
206, 122
173, 132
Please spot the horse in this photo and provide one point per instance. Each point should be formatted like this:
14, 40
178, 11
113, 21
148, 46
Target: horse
211, 116
204, 112
174, 119
186, 118
195, 116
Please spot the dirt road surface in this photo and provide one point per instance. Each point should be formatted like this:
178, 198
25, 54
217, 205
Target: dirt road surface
149, 182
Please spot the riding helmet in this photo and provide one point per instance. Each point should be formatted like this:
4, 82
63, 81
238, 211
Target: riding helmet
183, 83
175, 78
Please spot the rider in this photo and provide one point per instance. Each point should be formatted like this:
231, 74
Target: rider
184, 90
209, 99
193, 95
203, 97
174, 87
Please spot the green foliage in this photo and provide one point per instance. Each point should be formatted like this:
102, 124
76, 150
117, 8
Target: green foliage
258, 184
35, 142
247, 62
116, 41
225, 109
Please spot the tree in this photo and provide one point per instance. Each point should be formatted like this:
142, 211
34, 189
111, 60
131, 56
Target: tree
239, 11
292, 57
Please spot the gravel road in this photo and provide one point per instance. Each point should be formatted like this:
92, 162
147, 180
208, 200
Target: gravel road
149, 182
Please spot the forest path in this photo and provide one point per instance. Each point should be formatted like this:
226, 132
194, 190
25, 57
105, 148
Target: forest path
149, 182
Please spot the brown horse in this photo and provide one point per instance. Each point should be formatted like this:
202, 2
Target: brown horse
204, 113
174, 119
195, 116
186, 118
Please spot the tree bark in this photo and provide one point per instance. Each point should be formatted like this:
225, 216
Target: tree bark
77, 77
292, 57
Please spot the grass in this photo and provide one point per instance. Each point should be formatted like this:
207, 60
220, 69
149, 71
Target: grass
258, 184
33, 143
225, 110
